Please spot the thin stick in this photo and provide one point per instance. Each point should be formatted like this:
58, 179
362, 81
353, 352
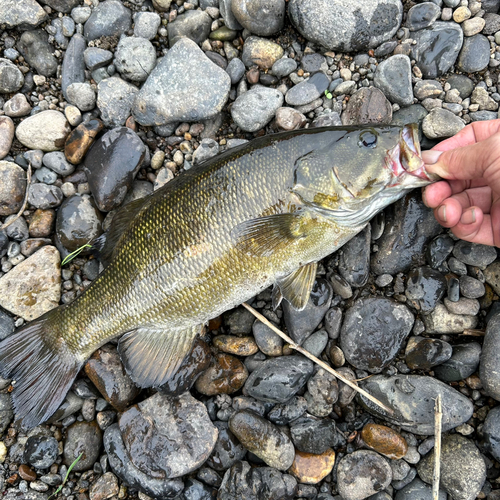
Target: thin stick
25, 202
438, 417
474, 333
323, 365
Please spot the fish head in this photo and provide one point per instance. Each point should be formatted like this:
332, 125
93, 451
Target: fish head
361, 171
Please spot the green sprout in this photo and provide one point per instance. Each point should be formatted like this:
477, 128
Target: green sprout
74, 254
328, 94
67, 474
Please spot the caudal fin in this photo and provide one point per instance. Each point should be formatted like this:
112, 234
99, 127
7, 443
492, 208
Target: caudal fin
43, 374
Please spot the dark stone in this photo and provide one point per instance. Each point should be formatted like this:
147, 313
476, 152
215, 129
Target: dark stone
6, 412
439, 250
83, 438
111, 165
373, 332
193, 24
412, 114
284, 413
36, 49
489, 371
423, 353
393, 77
228, 449
492, 23
491, 432
61, 5
260, 17
474, 254
225, 375
418, 490
73, 66
422, 16
308, 90
109, 18
425, 287
475, 54
80, 139
367, 105
310, 62
41, 451
7, 325
354, 262
463, 84
313, 435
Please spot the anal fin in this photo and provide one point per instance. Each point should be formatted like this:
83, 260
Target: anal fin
296, 287
151, 355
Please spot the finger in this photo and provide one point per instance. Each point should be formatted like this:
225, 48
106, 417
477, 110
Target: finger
479, 231
448, 213
434, 194
495, 221
475, 197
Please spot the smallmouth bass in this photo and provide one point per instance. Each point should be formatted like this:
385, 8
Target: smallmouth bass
261, 214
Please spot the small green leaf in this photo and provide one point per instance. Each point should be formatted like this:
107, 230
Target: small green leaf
328, 94
67, 474
74, 254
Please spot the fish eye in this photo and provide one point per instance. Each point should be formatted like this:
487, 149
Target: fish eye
367, 139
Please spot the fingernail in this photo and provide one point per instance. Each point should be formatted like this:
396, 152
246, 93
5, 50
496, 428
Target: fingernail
432, 156
441, 212
424, 197
468, 217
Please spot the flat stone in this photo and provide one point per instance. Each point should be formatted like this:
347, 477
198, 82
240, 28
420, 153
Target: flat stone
308, 90
261, 17
193, 24
12, 187
311, 468
241, 346
313, 435
95, 58
6, 135
261, 52
393, 77
38, 52
418, 490
43, 196
17, 106
80, 139
105, 487
109, 18
424, 353
11, 78
492, 276
26, 14
227, 451
367, 105
491, 432
489, 369
475, 54
422, 16
46, 131
474, 254
473, 26
184, 86
146, 24
115, 98
441, 123
33, 287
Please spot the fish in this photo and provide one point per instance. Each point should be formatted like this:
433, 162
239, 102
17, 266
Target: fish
261, 214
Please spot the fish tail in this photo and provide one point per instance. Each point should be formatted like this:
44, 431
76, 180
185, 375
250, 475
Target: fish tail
43, 373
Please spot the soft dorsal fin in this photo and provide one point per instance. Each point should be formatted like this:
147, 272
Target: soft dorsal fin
151, 355
296, 287
264, 236
105, 245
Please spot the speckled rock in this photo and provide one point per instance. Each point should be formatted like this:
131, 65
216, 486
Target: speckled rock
311, 468
33, 287
261, 52
442, 321
441, 123
225, 375
227, 451
11, 78
26, 14
260, 18
38, 52
115, 98
12, 187
367, 105
135, 58
82, 438
193, 24
475, 54
46, 131
6, 135
491, 432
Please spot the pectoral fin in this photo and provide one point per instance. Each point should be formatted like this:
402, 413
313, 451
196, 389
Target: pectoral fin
152, 355
263, 236
296, 287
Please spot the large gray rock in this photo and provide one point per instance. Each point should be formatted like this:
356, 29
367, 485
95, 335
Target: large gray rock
109, 18
184, 86
475, 54
21, 13
193, 24
489, 368
261, 17
412, 398
491, 432
345, 25
393, 77
36, 49
115, 98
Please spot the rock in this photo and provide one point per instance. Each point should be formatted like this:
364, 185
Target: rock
346, 26
227, 451
425, 287
423, 353
7, 326
193, 24
82, 438
393, 77
384, 440
111, 165
73, 66
308, 90
418, 490
492, 276
300, 324
227, 14
184, 86
492, 23
26, 14
463, 470
412, 399
80, 139
373, 332
81, 95
284, 413
422, 16
43, 196
354, 264
33, 287
109, 18
6, 135
41, 451
146, 24
125, 469
463, 306
279, 379
262, 18
263, 439
311, 468
235, 69
11, 78
107, 372
207, 149
239, 321
367, 105
161, 441
361, 474
289, 119
225, 375
256, 483
463, 84
473, 26
12, 187
240, 346
261, 52
283, 67
313, 435
428, 88
96, 58
6, 412
105, 487
322, 392
489, 370
135, 58
17, 106
441, 123
471, 287
36, 49
46, 131
254, 109
475, 54
491, 432
442, 321
115, 99
445, 39
474, 254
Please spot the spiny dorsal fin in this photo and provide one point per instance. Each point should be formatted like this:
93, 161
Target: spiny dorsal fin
151, 355
264, 236
105, 245
296, 287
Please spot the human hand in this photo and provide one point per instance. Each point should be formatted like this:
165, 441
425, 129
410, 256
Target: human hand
468, 200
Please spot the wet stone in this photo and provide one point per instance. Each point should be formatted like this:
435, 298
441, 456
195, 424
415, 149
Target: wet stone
123, 467
422, 353
361, 474
111, 165
384, 440
322, 393
418, 490
442, 321
225, 375
354, 264
475, 54
473, 254
6, 135
439, 250
41, 451
314, 435
239, 321
37, 51
300, 324
422, 16
425, 287
393, 77
268, 342
412, 399
308, 90
115, 98
284, 413
463, 470
227, 451
7, 326
109, 18
316, 343
12, 187
491, 432
240, 346
193, 24
106, 371
489, 371
82, 438
437, 49
373, 331
263, 439
17, 229
279, 379
492, 276
43, 196
46, 131
367, 105
26, 473
80, 139
160, 438
260, 52
105, 487
311, 468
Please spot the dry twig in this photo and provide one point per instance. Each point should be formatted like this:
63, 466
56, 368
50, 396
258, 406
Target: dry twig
25, 202
438, 418
323, 365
